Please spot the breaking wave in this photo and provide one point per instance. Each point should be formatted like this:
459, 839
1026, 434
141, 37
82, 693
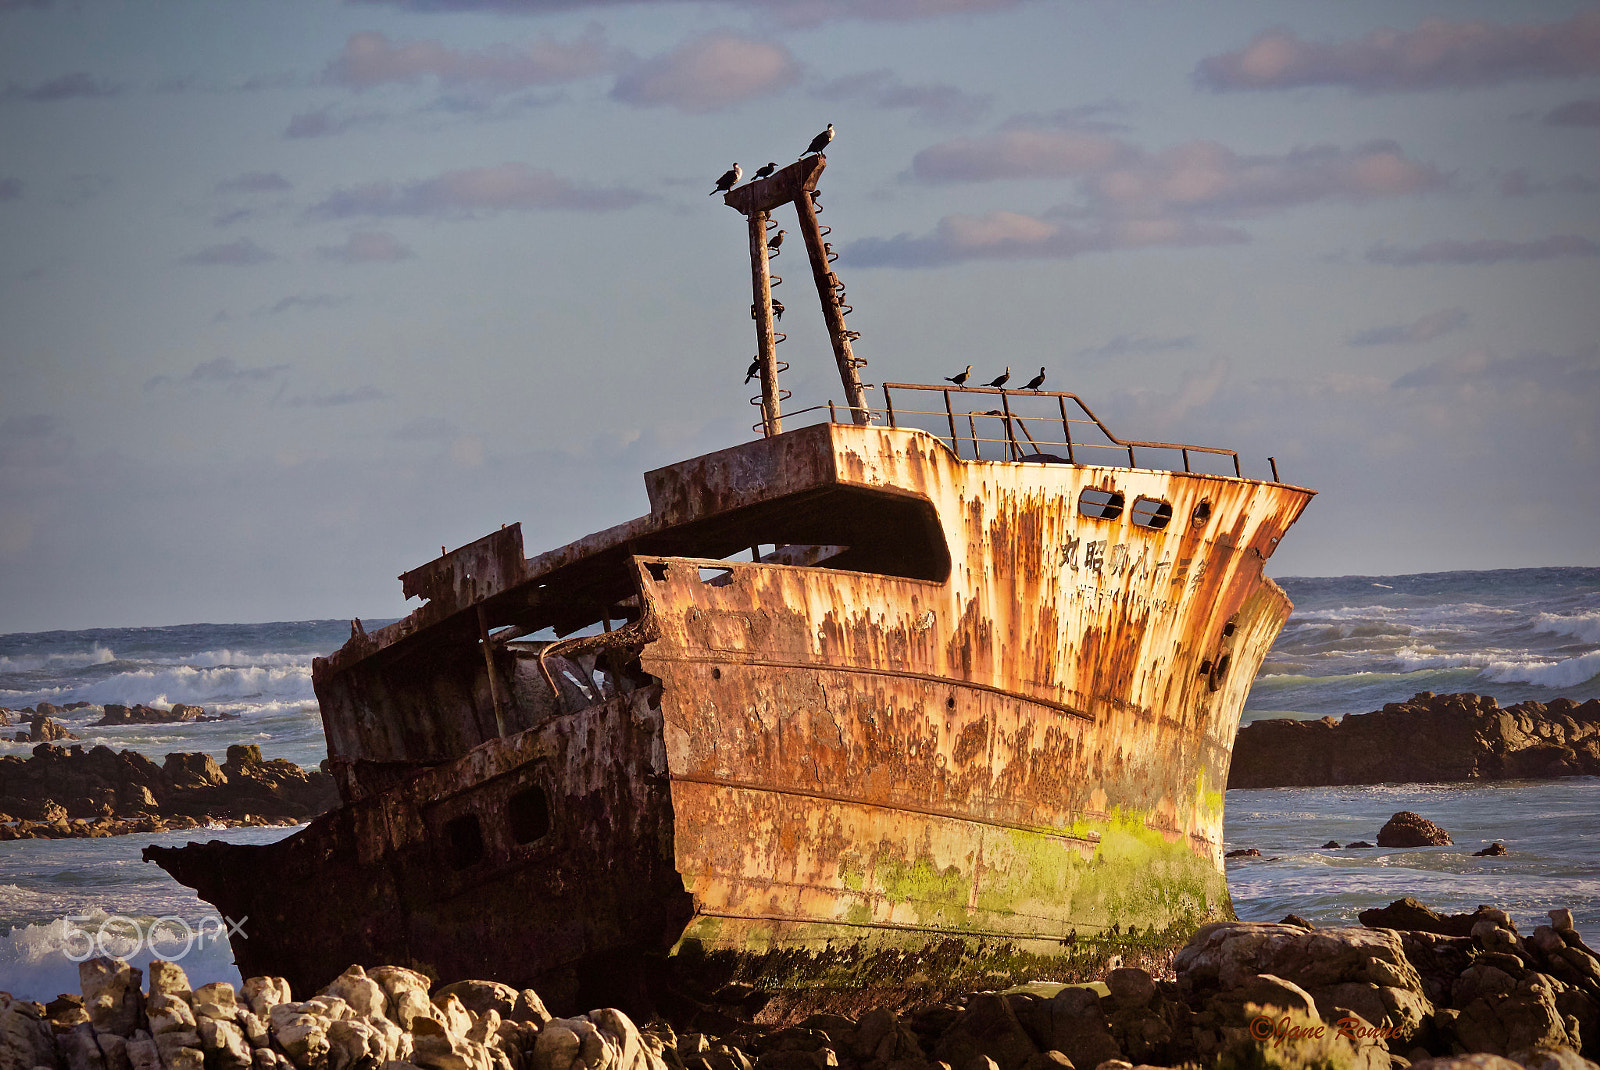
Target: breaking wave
1552, 674
95, 655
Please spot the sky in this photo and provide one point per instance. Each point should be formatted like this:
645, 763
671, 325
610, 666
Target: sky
295, 292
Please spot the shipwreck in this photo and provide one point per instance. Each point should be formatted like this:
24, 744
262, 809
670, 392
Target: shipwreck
936, 690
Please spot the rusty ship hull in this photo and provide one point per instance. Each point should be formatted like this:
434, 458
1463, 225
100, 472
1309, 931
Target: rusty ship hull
968, 722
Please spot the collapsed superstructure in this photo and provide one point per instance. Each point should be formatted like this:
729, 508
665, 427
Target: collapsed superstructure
924, 697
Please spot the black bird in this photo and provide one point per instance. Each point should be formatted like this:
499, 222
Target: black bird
725, 183
777, 310
959, 380
776, 240
1036, 382
753, 371
820, 142
763, 172
1000, 380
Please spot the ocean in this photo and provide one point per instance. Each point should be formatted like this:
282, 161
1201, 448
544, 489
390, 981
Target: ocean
1352, 644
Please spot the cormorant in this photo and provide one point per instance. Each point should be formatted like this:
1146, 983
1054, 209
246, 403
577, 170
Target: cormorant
820, 142
763, 172
754, 370
959, 380
1000, 380
725, 183
777, 310
776, 240
1036, 382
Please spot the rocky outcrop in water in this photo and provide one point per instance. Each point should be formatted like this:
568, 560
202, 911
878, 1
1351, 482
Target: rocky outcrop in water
1407, 829
1241, 995
1432, 738
69, 792
115, 714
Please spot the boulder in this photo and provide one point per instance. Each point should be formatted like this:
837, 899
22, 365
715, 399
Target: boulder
1407, 829
265, 993
26, 1040
1361, 970
481, 996
364, 995
111, 994
193, 770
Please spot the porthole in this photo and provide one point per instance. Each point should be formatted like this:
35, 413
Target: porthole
528, 814
1150, 513
1201, 514
464, 839
1100, 504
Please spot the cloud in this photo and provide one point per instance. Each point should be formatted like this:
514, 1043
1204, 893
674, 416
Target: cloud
338, 397
464, 194
1519, 183
1130, 198
1127, 345
1019, 154
220, 372
65, 87
240, 253
323, 123
10, 189
307, 301
1486, 251
1436, 55
1425, 329
1572, 375
255, 182
792, 12
1575, 113
366, 247
1016, 236
427, 429
371, 59
708, 74
936, 102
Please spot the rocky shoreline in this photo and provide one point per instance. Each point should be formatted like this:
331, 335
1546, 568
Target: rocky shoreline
1459, 992
42, 727
62, 792
1466, 737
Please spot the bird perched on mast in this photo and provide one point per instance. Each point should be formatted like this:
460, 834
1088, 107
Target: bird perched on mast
725, 183
776, 240
959, 380
1035, 383
777, 309
1000, 380
763, 172
820, 142
753, 371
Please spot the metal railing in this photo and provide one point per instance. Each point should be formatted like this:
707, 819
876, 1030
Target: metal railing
1024, 433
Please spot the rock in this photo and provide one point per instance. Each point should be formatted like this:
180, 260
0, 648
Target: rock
223, 1043
364, 995
1357, 845
1410, 915
265, 993
143, 1053
1561, 918
1244, 852
301, 1035
1364, 970
1296, 920
1550, 1059
1331, 845
216, 1000
111, 994
1407, 829
197, 770
169, 1014
1494, 850
1131, 988
1079, 1028
1469, 738
1499, 1022
78, 1048
988, 1027
43, 730
481, 996
529, 1008
25, 1037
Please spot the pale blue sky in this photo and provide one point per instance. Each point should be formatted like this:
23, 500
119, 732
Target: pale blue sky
292, 292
